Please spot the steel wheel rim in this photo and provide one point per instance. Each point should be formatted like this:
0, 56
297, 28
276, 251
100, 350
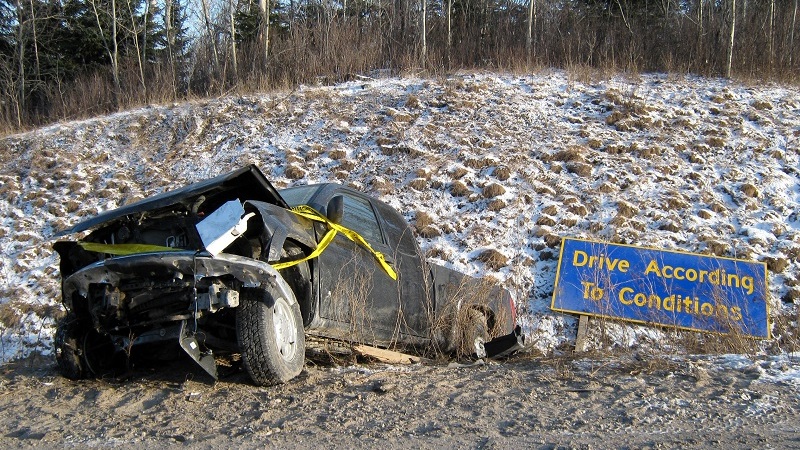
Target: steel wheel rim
285, 329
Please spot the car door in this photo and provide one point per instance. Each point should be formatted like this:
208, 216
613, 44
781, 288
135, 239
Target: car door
355, 292
416, 299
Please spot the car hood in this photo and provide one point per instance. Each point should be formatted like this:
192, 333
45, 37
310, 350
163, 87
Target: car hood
247, 183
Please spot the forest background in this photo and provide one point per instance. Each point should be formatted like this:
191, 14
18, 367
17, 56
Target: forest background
69, 59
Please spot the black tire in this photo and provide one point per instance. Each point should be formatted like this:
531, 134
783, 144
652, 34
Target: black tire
271, 337
68, 342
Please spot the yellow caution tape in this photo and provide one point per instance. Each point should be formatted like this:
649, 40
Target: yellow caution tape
312, 214
125, 249
302, 211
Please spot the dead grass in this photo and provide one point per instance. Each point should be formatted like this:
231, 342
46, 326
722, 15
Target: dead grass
459, 173
493, 190
502, 173
337, 154
459, 189
294, 172
493, 259
464, 315
418, 184
496, 205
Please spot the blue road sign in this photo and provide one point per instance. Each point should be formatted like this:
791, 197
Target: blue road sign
676, 289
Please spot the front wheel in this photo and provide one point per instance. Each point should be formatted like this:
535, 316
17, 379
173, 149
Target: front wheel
271, 337
68, 343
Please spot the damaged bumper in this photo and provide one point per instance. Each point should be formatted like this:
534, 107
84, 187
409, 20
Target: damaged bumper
176, 270
505, 345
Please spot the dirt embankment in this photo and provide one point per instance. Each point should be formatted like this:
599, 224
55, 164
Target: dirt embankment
699, 402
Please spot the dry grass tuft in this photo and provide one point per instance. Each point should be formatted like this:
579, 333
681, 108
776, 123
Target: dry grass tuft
552, 210
294, 172
381, 186
418, 184
626, 209
10, 316
579, 168
493, 190
496, 205
776, 264
337, 154
429, 232
502, 173
750, 190
422, 219
459, 173
762, 105
478, 163
493, 259
545, 220
459, 189
347, 165
412, 101
424, 224
716, 141
570, 154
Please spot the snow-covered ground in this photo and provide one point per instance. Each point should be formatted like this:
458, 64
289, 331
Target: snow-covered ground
476, 162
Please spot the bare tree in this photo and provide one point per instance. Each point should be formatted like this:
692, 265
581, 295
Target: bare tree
134, 31
264, 7
449, 31
19, 101
791, 36
170, 43
731, 38
211, 34
234, 61
111, 48
424, 32
529, 40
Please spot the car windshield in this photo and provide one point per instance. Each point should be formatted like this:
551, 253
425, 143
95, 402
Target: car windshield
299, 195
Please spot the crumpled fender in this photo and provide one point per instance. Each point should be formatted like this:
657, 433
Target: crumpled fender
282, 224
250, 272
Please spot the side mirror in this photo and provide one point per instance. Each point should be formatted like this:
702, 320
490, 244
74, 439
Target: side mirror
335, 209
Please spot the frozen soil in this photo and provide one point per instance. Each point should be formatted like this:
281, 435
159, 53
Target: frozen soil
629, 402
480, 164
491, 169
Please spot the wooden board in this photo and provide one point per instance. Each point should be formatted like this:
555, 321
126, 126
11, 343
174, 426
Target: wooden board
580, 340
387, 356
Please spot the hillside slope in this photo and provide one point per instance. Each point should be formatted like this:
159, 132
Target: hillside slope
476, 162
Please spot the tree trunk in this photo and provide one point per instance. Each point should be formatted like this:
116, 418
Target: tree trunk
21, 93
264, 6
449, 32
113, 49
771, 31
35, 42
139, 58
211, 35
233, 43
730, 39
170, 47
529, 40
791, 36
424, 33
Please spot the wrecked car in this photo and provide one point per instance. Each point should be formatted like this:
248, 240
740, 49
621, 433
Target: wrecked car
231, 264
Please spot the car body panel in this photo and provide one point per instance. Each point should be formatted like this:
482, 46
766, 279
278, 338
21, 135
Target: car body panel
343, 293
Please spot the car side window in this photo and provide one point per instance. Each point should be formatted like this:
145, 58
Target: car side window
397, 230
359, 217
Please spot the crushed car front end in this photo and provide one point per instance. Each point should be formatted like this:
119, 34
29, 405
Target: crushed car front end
155, 272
